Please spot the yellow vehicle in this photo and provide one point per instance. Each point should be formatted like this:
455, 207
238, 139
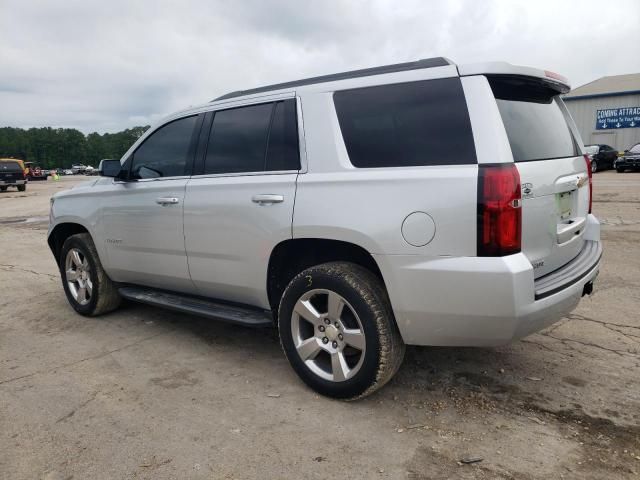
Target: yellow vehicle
12, 174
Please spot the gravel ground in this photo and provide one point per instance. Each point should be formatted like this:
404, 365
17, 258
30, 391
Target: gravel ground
146, 393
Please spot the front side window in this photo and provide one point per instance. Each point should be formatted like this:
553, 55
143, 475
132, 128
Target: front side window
408, 124
165, 152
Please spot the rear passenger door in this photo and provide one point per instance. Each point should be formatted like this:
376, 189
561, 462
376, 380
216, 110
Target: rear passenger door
239, 202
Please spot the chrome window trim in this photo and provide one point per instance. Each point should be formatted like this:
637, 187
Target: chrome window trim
245, 174
139, 180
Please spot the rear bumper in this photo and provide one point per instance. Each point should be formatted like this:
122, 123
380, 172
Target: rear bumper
570, 273
483, 301
4, 183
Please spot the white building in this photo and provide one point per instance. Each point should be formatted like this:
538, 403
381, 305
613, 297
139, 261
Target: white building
607, 110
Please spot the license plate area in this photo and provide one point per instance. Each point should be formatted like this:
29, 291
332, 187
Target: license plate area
564, 205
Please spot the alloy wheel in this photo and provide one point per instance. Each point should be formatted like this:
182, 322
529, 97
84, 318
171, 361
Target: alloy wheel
328, 335
78, 277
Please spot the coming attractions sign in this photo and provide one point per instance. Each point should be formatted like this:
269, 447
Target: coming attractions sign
622, 117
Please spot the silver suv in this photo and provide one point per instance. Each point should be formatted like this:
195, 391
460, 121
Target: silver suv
423, 203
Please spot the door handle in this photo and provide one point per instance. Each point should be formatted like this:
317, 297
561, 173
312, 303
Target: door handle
167, 201
267, 199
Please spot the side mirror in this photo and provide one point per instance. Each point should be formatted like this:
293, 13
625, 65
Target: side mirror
109, 168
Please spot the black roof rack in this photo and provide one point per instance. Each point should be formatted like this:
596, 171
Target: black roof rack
365, 72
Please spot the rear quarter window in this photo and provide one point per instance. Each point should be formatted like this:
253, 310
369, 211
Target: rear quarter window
404, 125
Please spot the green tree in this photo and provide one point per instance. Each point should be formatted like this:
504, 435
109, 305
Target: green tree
61, 147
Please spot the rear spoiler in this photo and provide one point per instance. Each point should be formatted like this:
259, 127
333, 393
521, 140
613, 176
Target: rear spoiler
551, 80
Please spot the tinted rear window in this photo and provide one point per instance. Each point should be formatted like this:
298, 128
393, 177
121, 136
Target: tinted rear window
282, 150
408, 124
10, 167
238, 140
254, 138
536, 126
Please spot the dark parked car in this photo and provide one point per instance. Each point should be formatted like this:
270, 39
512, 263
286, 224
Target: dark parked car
602, 156
630, 160
12, 175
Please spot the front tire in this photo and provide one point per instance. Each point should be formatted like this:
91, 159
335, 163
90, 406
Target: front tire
3, 189
338, 332
88, 288
620, 170
594, 166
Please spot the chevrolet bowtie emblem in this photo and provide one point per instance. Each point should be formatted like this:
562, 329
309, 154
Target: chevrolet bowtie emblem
581, 181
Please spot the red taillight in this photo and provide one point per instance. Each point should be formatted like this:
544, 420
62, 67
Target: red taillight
588, 160
499, 210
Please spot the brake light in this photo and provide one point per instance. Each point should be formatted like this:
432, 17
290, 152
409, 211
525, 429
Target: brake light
556, 76
499, 210
588, 160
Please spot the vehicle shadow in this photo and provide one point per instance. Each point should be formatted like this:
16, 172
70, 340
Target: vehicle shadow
425, 370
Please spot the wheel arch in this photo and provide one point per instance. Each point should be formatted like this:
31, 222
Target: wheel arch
290, 257
61, 232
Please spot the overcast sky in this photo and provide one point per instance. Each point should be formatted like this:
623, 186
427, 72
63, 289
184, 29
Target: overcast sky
109, 65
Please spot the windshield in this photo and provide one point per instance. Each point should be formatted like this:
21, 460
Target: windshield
591, 149
635, 148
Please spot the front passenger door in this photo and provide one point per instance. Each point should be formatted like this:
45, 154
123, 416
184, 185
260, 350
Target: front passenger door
142, 217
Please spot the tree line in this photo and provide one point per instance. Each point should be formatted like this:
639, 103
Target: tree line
60, 147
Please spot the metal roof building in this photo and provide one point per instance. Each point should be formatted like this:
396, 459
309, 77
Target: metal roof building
607, 110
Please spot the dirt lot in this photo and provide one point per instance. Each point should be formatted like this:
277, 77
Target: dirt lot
145, 393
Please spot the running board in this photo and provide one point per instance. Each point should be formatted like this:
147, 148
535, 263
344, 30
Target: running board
247, 316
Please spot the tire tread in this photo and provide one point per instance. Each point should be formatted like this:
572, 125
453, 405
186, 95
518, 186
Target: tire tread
108, 298
369, 287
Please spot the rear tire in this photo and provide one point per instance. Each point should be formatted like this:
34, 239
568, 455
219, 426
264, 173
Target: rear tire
22, 188
3, 189
88, 288
338, 331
